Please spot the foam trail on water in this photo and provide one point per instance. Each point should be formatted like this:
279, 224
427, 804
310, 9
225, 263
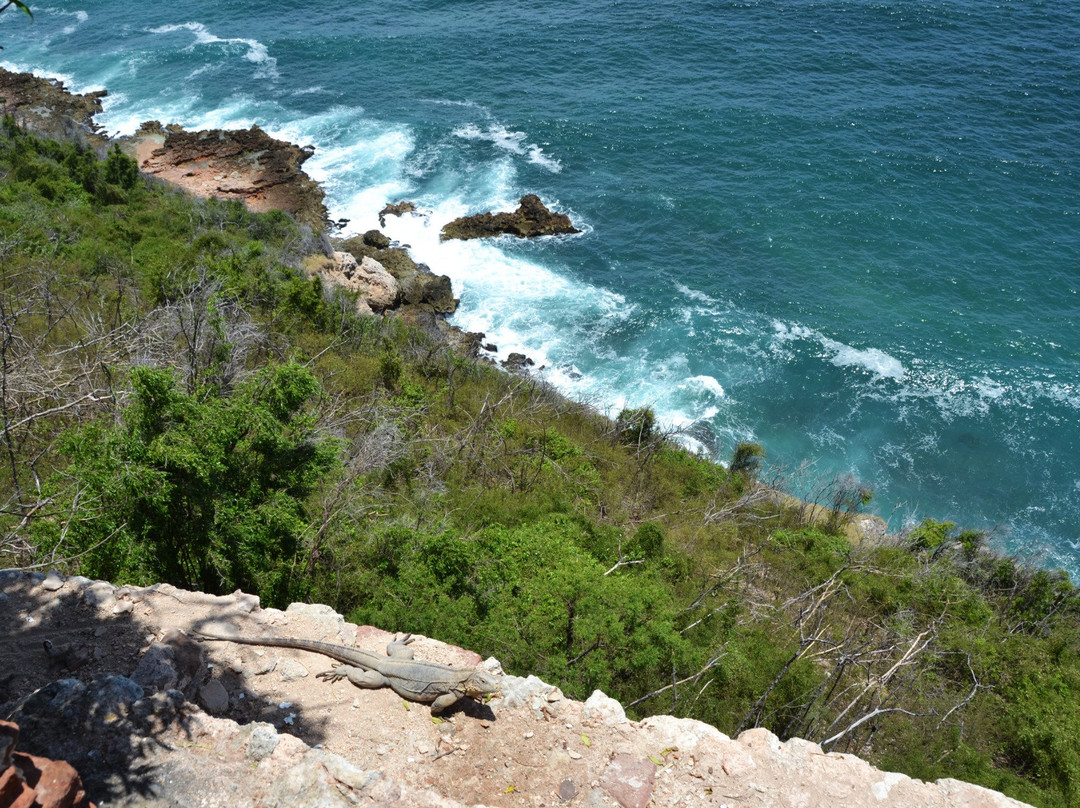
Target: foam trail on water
510, 141
877, 362
256, 51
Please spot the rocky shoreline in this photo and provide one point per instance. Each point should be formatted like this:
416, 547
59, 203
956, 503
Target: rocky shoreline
267, 174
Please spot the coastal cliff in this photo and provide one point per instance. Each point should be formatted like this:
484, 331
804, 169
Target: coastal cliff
209, 407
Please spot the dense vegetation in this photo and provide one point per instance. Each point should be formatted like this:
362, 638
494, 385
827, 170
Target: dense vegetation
180, 402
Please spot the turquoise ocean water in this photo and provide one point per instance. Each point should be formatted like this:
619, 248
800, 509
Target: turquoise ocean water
848, 230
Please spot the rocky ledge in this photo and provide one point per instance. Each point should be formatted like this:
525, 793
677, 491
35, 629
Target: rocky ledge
243, 164
46, 108
150, 717
531, 219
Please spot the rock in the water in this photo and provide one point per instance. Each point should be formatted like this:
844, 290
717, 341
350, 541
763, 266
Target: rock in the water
531, 219
399, 208
376, 239
517, 363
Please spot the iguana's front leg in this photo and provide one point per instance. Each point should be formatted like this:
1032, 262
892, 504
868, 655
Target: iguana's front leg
444, 701
399, 647
358, 676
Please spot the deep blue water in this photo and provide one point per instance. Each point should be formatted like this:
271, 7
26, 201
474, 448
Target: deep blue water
847, 230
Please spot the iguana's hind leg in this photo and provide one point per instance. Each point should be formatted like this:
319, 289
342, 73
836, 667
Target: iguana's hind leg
358, 676
399, 648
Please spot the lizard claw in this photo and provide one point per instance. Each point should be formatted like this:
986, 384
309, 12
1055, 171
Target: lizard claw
332, 675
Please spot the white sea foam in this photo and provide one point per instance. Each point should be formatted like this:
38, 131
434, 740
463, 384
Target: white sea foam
256, 51
511, 141
694, 294
882, 365
708, 383
79, 16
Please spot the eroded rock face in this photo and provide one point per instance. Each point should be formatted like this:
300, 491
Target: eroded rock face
243, 164
46, 108
378, 290
531, 219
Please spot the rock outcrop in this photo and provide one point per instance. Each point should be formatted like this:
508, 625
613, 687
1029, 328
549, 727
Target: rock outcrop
243, 164
531, 219
419, 285
423, 298
281, 736
46, 108
377, 289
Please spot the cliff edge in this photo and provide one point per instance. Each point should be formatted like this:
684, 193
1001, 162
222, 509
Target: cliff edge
109, 679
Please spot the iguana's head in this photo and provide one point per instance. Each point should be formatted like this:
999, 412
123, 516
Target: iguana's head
480, 683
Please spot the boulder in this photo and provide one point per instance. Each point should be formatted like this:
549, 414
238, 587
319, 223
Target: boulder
419, 286
531, 219
376, 239
378, 289
517, 363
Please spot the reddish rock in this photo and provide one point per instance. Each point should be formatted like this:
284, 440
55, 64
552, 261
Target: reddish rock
28, 781
244, 164
629, 780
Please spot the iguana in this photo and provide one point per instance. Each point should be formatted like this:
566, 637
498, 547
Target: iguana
426, 682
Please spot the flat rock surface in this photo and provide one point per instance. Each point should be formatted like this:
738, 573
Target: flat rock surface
280, 740
243, 164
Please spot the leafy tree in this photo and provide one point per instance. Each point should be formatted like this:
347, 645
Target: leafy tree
746, 459
204, 492
636, 426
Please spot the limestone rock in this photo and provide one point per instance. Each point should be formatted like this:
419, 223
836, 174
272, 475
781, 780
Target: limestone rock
378, 289
290, 670
53, 581
531, 219
604, 709
531, 746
